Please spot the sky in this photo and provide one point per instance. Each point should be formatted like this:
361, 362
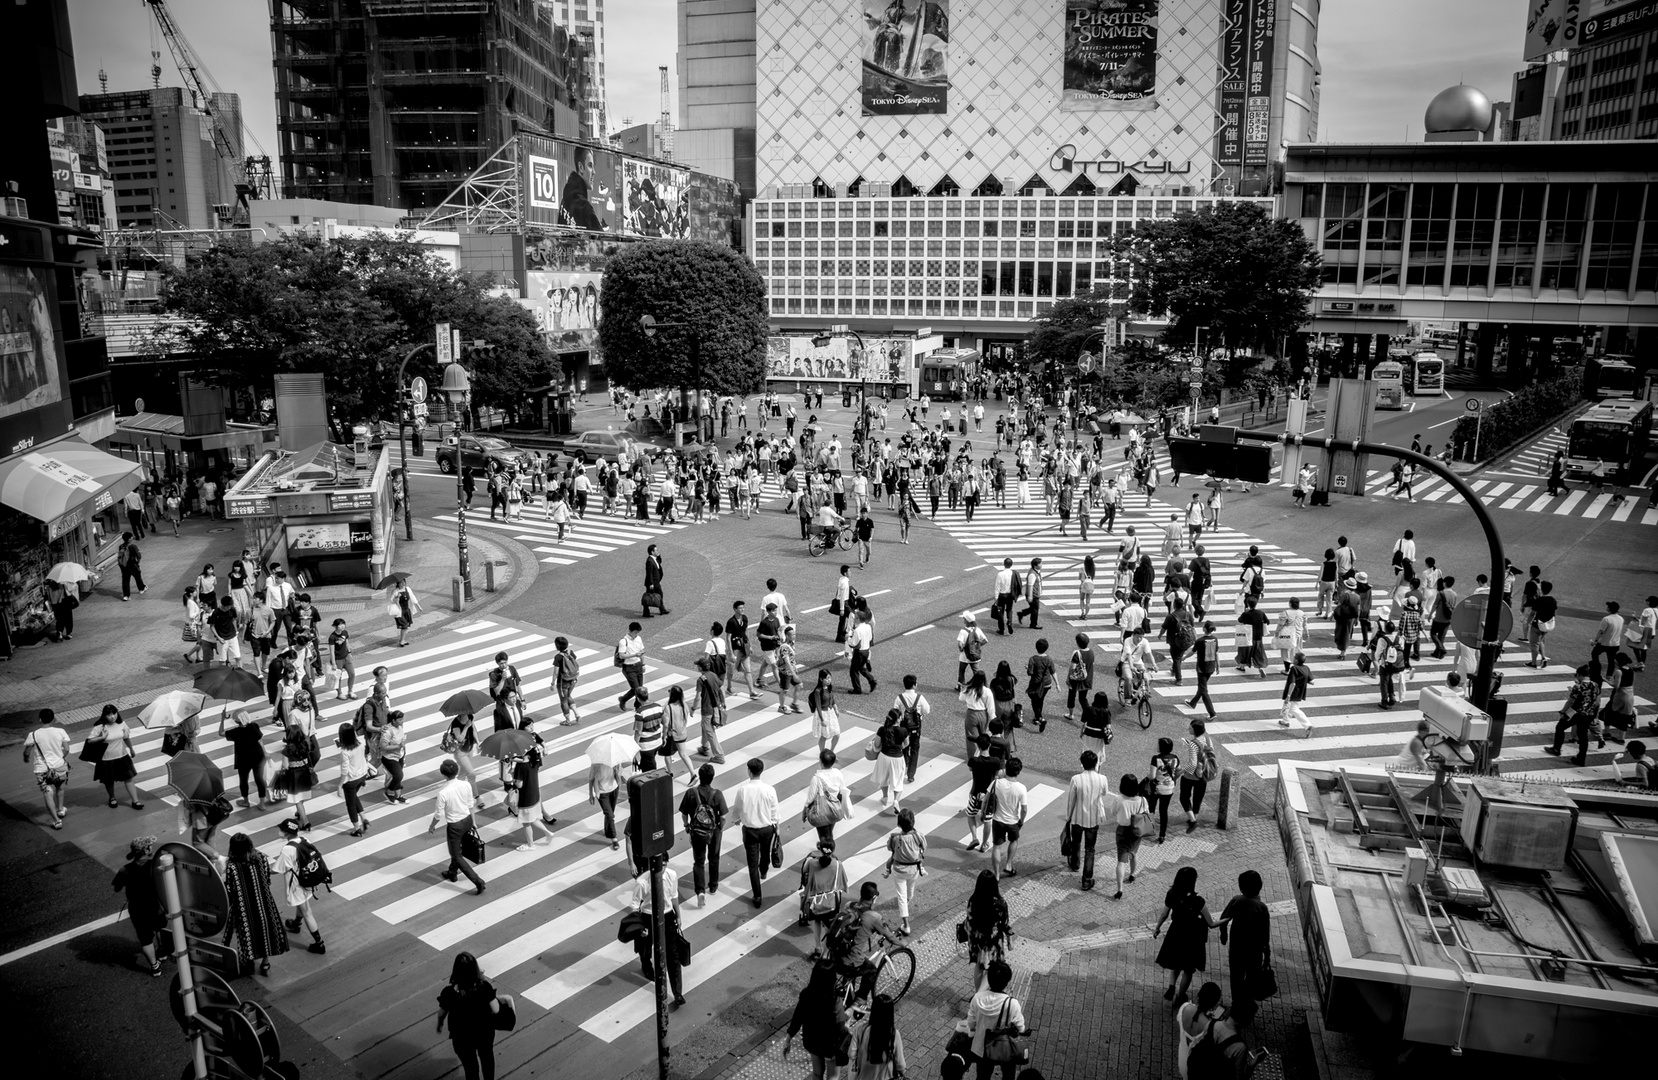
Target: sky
1382, 61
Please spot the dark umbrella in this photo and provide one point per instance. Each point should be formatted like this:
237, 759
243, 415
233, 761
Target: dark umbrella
229, 684
394, 579
513, 742
467, 701
195, 777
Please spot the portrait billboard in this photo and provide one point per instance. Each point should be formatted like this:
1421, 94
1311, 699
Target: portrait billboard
1110, 55
655, 200
1234, 48
566, 308
31, 376
905, 62
841, 359
714, 202
586, 180
1257, 127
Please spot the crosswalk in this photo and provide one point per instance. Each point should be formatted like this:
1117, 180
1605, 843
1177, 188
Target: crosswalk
1538, 456
546, 925
1346, 726
1516, 493
584, 537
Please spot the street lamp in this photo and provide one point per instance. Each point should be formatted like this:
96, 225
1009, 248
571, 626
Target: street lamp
457, 388
405, 402
650, 326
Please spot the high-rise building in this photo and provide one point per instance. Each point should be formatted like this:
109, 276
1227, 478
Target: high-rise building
162, 156
1598, 91
584, 20
395, 102
717, 86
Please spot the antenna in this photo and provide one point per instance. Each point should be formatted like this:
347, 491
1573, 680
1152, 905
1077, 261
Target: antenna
103, 78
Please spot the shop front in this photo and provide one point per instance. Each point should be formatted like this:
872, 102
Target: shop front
163, 445
325, 513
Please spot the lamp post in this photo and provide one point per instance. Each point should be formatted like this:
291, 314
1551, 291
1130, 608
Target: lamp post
403, 405
1197, 372
650, 326
457, 388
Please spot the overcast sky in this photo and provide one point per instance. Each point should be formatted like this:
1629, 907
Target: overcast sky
1382, 61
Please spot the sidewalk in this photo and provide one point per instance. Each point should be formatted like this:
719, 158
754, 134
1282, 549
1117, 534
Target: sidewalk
129, 652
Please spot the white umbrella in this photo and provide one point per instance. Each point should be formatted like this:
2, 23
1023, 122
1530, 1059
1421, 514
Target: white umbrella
67, 573
173, 707
612, 748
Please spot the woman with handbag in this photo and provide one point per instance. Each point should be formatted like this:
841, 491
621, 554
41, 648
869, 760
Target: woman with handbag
826, 719
109, 746
473, 1011
877, 1051
194, 617
1185, 951
985, 931
353, 775
254, 918
299, 774
1165, 766
906, 857
1134, 822
249, 753
828, 797
819, 1022
393, 748
997, 1022
403, 599
1003, 686
822, 892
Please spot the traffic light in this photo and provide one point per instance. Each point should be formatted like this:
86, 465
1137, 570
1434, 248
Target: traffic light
419, 440
1227, 460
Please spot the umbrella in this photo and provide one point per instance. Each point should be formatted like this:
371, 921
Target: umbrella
195, 777
467, 701
67, 573
612, 749
229, 684
394, 579
513, 742
173, 707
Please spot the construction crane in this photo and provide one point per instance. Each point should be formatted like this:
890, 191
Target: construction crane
252, 175
665, 127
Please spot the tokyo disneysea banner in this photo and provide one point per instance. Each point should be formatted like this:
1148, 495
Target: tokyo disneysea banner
841, 360
1110, 55
905, 69
656, 199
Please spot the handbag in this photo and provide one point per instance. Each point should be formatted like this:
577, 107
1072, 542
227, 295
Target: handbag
1143, 824
1067, 841
93, 750
1262, 984
173, 742
472, 847
192, 632
506, 1017
1002, 1044
776, 851
682, 949
872, 748
1546, 626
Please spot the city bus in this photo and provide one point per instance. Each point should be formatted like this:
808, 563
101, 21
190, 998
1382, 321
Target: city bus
1612, 437
944, 373
1425, 375
1611, 376
1389, 377
1441, 339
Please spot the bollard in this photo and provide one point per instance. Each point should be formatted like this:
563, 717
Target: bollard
455, 591
489, 575
1226, 814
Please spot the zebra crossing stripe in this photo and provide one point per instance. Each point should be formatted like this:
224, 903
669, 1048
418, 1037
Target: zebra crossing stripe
1571, 500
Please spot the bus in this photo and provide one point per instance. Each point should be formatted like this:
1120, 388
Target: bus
1611, 376
944, 373
1425, 375
1389, 377
1441, 339
1611, 439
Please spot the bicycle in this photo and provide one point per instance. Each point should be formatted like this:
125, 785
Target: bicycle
1134, 692
822, 538
894, 972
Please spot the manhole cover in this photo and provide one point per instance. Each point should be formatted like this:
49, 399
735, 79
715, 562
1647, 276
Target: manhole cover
221, 528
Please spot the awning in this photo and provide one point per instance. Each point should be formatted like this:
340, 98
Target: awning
166, 430
64, 483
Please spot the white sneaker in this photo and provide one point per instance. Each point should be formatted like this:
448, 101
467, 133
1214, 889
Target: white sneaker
702, 900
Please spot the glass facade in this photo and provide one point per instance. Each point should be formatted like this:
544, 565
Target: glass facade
951, 257
1571, 237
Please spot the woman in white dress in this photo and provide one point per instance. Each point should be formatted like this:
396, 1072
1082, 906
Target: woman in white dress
1291, 632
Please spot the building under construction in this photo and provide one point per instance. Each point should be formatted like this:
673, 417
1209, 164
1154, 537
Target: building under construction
395, 102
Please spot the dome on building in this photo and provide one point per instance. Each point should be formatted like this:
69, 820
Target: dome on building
1458, 108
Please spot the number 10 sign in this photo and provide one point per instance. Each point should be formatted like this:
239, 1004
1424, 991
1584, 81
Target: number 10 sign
542, 174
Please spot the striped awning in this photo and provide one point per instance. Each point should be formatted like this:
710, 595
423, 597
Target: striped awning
65, 482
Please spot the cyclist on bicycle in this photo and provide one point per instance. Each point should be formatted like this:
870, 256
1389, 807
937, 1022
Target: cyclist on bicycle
852, 939
1137, 661
830, 523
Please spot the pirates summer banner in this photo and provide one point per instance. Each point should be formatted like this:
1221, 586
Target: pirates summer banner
1110, 55
906, 43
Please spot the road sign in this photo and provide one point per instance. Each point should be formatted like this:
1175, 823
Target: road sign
201, 890
417, 388
446, 345
1468, 619
1473, 404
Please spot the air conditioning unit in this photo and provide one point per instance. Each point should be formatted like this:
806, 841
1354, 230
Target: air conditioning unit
1523, 826
1454, 716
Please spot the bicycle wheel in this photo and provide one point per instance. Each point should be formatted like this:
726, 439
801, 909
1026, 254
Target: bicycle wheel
1123, 691
1143, 709
845, 540
896, 974
814, 545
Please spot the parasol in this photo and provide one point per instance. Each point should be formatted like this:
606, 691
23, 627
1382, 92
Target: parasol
173, 707
394, 579
513, 742
223, 683
467, 702
67, 573
195, 777
612, 749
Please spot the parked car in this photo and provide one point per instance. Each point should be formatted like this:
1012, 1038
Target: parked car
592, 446
476, 451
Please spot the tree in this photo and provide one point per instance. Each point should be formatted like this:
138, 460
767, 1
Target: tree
1060, 335
1230, 267
351, 309
713, 290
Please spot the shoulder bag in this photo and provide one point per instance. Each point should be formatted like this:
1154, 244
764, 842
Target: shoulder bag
1142, 823
1003, 1045
506, 1017
93, 750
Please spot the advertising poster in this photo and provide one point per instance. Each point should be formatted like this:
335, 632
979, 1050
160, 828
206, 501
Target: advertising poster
566, 308
906, 47
841, 360
713, 208
330, 538
1607, 21
1110, 55
656, 201
1234, 49
569, 185
1552, 25
1263, 21
29, 374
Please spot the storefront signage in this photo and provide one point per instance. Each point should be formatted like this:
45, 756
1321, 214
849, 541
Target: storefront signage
330, 538
1359, 307
1233, 49
103, 501
53, 469
351, 500
249, 506
1064, 159
1263, 25
67, 523
1617, 23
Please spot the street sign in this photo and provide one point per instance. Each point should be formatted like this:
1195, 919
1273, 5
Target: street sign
446, 345
1473, 404
1468, 619
417, 388
201, 890
1339, 480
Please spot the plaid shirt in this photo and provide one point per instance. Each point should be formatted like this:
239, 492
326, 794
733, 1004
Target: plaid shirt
1410, 624
1584, 698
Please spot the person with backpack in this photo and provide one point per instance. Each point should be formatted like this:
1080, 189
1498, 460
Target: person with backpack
130, 559
1079, 676
1211, 1045
1179, 633
850, 941
303, 872
704, 811
1388, 654
1201, 768
1205, 660
913, 710
970, 643
822, 892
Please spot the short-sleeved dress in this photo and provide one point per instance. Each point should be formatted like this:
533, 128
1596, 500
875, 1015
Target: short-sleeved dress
116, 765
1186, 945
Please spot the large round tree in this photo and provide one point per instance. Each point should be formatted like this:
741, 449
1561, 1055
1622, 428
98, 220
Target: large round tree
713, 291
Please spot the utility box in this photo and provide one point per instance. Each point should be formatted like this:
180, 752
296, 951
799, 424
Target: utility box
1521, 826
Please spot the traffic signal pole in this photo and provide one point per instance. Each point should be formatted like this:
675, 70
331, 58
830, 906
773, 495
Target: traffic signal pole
1492, 636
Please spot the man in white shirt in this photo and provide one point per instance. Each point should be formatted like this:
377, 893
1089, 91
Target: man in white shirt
1002, 599
754, 805
582, 485
454, 805
1085, 809
970, 644
774, 597
670, 929
1608, 637
1346, 557
858, 643
630, 651
913, 710
1134, 617
1011, 802
47, 749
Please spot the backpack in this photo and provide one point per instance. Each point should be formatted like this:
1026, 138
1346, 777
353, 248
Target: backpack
310, 870
1391, 654
974, 647
842, 936
702, 818
912, 712
1078, 671
1207, 1059
568, 667
1207, 768
1398, 557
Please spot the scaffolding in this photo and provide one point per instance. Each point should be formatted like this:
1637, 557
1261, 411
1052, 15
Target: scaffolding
489, 200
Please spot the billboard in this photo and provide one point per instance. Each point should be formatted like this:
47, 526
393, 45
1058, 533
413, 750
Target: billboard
1234, 49
905, 62
1610, 23
1257, 125
29, 375
566, 308
587, 182
1552, 25
1110, 55
840, 360
656, 199
714, 202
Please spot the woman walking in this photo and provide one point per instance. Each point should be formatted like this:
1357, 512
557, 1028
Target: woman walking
1039, 679
828, 790
195, 621
675, 732
1296, 680
1291, 631
822, 891
1185, 951
1085, 584
994, 1008
988, 932
1165, 764
459, 742
255, 920
137, 880
877, 1049
907, 858
819, 1022
976, 699
891, 741
826, 721
1003, 686
249, 753
115, 766
649, 733
1130, 804
299, 774
469, 1004
1096, 723
297, 895
403, 599
394, 747
353, 775
207, 588
1192, 1022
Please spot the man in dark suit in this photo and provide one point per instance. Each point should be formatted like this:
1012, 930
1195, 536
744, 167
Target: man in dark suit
653, 581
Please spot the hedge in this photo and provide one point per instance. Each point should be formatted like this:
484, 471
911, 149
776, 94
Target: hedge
1518, 417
